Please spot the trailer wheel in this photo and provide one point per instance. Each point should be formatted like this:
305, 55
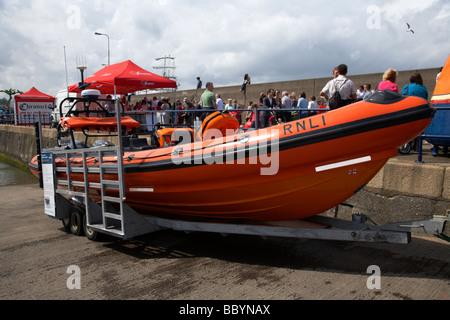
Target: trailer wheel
405, 149
76, 222
88, 232
66, 223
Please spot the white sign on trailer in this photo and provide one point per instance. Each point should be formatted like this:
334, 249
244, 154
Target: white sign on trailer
48, 183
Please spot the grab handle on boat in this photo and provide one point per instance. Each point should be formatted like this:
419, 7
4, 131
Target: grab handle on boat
411, 226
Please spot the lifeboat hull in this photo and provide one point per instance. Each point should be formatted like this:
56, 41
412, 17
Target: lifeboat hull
286, 172
439, 130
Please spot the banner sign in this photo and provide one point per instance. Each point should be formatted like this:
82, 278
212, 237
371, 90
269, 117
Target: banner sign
28, 112
49, 183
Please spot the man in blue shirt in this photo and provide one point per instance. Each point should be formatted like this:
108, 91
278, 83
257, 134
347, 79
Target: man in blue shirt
302, 105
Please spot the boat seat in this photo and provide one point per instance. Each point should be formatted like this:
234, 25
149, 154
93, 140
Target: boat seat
163, 137
385, 97
139, 142
135, 144
126, 142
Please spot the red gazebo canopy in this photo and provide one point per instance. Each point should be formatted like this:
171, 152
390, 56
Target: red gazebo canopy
33, 94
123, 78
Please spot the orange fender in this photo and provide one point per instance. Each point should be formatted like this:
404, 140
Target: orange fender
224, 122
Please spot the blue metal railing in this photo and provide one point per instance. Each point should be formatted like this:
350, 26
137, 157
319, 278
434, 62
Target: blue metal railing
174, 116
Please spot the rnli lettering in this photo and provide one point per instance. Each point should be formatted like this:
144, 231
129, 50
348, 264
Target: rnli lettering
305, 124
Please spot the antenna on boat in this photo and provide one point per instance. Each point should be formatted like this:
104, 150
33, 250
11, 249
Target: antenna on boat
67, 77
81, 65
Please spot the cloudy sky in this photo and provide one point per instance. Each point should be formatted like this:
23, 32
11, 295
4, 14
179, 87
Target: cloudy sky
219, 41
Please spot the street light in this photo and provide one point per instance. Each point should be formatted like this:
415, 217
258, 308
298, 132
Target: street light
104, 34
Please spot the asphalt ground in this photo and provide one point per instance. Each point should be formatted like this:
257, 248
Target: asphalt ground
40, 260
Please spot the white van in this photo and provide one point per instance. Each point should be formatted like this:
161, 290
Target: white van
60, 96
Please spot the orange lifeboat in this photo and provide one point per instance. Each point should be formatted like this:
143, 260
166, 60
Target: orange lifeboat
438, 132
285, 172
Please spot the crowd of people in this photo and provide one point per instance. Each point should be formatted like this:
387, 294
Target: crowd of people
273, 101
302, 107
4, 116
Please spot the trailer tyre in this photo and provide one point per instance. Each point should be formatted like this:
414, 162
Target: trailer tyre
66, 223
88, 232
405, 149
76, 222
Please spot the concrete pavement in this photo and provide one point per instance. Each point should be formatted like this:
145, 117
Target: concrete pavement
38, 258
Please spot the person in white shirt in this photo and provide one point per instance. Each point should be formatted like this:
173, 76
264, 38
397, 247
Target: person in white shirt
312, 105
286, 103
439, 74
219, 102
360, 93
345, 86
367, 92
155, 103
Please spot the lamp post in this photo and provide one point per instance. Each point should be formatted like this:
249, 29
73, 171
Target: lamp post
104, 34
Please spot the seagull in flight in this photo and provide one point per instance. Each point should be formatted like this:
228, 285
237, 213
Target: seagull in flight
409, 28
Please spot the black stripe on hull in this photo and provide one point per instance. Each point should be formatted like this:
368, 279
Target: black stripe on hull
290, 142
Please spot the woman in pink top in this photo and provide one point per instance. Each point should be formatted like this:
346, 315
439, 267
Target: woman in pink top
389, 79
